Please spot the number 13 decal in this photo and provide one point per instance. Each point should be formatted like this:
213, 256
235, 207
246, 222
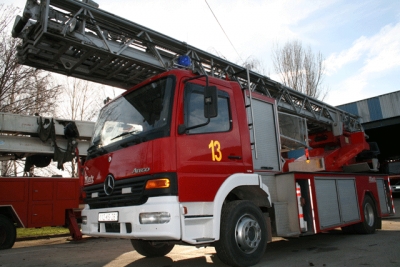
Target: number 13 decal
215, 147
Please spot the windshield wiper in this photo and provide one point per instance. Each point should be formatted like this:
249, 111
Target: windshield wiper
93, 147
135, 141
96, 150
123, 134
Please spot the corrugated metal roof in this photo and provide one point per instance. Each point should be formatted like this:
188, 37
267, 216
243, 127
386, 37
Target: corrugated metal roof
390, 105
375, 108
350, 108
363, 110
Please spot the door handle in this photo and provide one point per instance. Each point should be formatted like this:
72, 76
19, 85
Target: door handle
234, 157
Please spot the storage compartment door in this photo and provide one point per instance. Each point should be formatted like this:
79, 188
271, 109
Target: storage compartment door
327, 200
348, 200
266, 136
382, 194
337, 201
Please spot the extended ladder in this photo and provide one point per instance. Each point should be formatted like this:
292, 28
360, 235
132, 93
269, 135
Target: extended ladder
78, 39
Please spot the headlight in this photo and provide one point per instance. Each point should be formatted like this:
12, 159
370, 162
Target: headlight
154, 217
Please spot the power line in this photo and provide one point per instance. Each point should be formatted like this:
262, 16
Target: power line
223, 30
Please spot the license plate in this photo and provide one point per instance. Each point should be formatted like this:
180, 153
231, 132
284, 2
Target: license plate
108, 217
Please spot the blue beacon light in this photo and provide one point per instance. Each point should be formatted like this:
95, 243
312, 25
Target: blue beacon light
184, 61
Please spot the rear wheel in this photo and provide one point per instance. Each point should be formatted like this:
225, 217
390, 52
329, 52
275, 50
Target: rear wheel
369, 225
151, 249
7, 233
243, 234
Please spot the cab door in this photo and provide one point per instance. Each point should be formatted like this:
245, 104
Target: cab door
207, 154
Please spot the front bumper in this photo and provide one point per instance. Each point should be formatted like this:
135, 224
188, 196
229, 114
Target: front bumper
128, 225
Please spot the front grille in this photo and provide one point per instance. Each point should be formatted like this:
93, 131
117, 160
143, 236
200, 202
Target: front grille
137, 196
116, 199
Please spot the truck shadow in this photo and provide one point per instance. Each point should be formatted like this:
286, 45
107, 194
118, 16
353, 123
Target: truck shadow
333, 247
166, 261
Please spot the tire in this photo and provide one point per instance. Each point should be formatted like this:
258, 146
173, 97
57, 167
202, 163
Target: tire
8, 233
151, 249
243, 234
369, 224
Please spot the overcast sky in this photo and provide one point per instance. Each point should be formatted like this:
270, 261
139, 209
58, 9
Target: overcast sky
359, 39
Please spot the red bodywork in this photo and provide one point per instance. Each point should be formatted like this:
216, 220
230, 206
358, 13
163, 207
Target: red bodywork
38, 202
337, 151
364, 184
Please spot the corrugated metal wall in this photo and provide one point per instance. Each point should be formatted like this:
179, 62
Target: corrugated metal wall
376, 108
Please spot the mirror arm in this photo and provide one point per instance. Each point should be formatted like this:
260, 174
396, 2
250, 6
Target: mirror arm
182, 127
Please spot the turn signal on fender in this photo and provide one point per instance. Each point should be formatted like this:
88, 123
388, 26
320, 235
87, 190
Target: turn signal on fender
158, 183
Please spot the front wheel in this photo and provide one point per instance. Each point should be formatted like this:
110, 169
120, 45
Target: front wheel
7, 233
369, 224
243, 234
151, 249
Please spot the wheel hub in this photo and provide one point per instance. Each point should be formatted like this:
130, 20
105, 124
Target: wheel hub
369, 214
248, 234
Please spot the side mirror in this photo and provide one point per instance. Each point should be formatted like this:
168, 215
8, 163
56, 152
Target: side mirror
210, 102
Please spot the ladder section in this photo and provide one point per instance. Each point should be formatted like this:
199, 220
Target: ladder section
80, 40
22, 135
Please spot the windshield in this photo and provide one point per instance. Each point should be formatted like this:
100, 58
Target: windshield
143, 112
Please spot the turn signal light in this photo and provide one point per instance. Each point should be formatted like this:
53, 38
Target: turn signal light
158, 183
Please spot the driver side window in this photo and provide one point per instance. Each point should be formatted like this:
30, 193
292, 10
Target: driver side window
194, 111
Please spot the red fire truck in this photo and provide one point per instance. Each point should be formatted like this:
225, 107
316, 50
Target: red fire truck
201, 151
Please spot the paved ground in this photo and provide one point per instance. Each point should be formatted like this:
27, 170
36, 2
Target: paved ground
330, 249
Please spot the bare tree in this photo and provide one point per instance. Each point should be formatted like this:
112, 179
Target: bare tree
6, 16
23, 90
254, 64
82, 100
299, 68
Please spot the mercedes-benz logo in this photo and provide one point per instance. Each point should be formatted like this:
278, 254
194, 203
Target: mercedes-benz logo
109, 184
